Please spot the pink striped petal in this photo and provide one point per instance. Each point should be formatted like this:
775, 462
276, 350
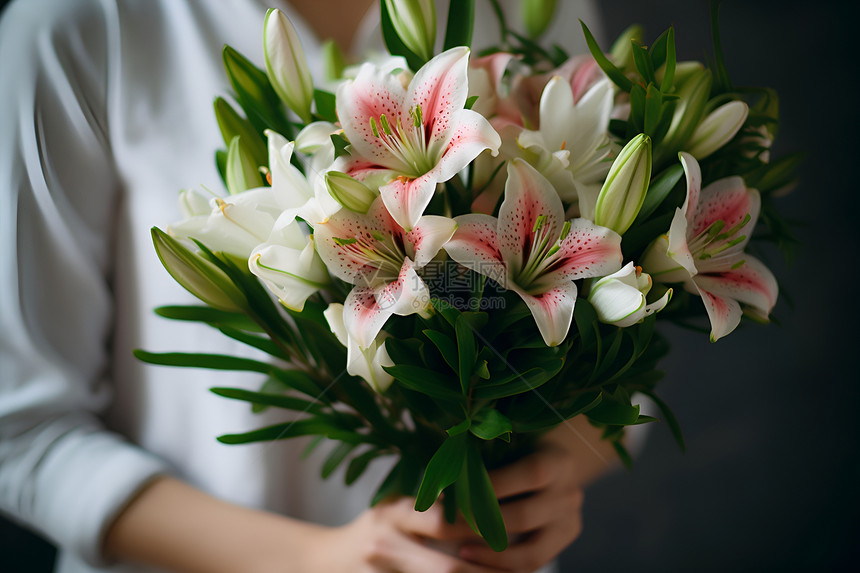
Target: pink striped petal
406, 295
552, 311
528, 195
407, 198
363, 317
694, 185
428, 236
751, 284
724, 313
372, 94
470, 135
475, 246
726, 200
589, 250
677, 247
440, 87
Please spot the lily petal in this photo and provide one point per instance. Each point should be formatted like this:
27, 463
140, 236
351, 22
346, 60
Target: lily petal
724, 313
428, 236
363, 317
475, 246
552, 311
751, 284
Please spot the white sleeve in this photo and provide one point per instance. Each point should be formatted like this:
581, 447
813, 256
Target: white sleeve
61, 472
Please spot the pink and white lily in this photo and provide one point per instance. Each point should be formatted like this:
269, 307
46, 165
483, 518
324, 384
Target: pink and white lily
533, 251
373, 252
416, 137
704, 250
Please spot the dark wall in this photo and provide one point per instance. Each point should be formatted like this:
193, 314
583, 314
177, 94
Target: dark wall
770, 478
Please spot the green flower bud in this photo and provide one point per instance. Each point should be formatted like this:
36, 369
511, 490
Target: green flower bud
286, 64
536, 15
243, 173
415, 24
232, 124
625, 187
693, 95
351, 193
197, 275
717, 129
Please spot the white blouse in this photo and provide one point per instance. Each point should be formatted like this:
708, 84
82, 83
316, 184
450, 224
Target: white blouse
105, 114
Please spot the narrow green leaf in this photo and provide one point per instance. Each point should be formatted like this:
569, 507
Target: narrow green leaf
340, 145
200, 360
721, 74
358, 464
447, 347
653, 110
209, 315
232, 124
266, 399
671, 60
335, 458
443, 469
614, 412
470, 101
258, 342
459, 428
616, 75
659, 189
643, 62
425, 381
485, 506
670, 419
525, 382
467, 353
282, 431
461, 22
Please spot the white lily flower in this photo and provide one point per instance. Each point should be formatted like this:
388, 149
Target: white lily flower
288, 263
366, 363
235, 224
619, 298
572, 144
303, 196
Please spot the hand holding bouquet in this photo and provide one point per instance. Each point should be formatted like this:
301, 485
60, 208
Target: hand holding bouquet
468, 250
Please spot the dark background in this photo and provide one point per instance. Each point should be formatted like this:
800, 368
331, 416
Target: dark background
770, 478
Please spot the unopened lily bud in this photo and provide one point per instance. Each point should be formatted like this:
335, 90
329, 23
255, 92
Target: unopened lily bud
415, 24
197, 275
625, 187
693, 94
243, 172
232, 124
619, 298
286, 64
717, 129
349, 192
536, 15
333, 61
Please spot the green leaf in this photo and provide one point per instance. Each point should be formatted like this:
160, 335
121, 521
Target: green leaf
258, 342
282, 431
493, 425
580, 405
358, 464
614, 412
459, 428
643, 62
470, 101
200, 360
340, 145
524, 382
653, 110
659, 189
255, 94
447, 347
484, 505
301, 381
670, 419
721, 75
336, 457
209, 315
623, 454
232, 124
425, 381
325, 103
669, 72
221, 164
467, 353
616, 75
461, 22
443, 469
267, 399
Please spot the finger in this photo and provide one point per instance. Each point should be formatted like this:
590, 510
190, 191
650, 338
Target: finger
532, 473
403, 554
539, 510
431, 523
533, 553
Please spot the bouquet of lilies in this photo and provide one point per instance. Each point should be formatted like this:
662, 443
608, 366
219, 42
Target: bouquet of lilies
466, 250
